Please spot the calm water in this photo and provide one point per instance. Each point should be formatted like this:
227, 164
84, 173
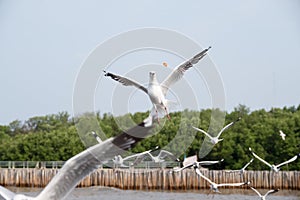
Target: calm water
96, 193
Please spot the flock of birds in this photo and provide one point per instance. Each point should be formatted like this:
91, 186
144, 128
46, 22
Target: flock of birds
82, 164
214, 186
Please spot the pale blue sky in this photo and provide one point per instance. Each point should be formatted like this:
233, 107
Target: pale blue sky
256, 47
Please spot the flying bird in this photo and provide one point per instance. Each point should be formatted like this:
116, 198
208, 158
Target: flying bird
263, 197
273, 167
198, 164
157, 92
82, 164
282, 134
214, 186
163, 154
241, 171
135, 158
215, 140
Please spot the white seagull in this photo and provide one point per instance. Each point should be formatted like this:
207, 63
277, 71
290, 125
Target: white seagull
163, 154
214, 186
198, 164
282, 135
263, 197
139, 157
82, 164
241, 171
135, 158
157, 92
215, 140
119, 161
275, 168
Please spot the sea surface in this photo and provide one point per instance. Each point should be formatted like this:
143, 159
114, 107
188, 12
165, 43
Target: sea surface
96, 193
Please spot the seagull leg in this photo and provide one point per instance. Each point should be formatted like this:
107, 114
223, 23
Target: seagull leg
157, 116
167, 113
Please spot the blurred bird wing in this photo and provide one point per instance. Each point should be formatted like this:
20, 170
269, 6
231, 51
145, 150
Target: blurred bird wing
163, 154
82, 164
6, 194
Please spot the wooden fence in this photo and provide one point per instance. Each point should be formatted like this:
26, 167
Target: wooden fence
153, 179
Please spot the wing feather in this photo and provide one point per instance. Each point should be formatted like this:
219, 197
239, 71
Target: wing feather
288, 161
178, 72
163, 154
259, 158
227, 126
271, 192
126, 81
230, 184
256, 191
202, 131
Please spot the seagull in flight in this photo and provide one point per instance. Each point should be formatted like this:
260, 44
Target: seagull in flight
198, 165
275, 168
214, 186
282, 134
215, 140
82, 164
163, 154
138, 157
263, 197
241, 170
157, 92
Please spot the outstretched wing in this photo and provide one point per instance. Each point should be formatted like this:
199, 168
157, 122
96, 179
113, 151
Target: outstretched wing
271, 192
209, 162
204, 177
202, 131
231, 184
227, 126
286, 162
182, 168
76, 168
178, 72
259, 158
141, 157
247, 164
6, 194
256, 191
163, 154
125, 81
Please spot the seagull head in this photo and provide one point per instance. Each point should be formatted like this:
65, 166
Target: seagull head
152, 75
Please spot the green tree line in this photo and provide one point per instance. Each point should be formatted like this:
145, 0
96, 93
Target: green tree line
54, 137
